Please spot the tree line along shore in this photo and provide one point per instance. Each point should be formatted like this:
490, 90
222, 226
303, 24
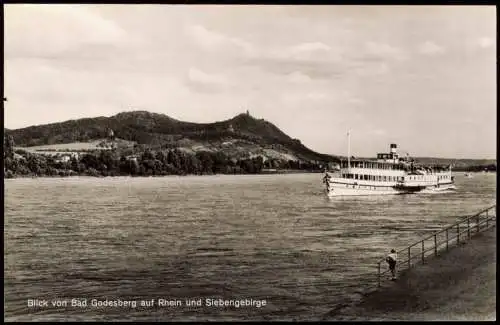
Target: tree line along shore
162, 161
145, 162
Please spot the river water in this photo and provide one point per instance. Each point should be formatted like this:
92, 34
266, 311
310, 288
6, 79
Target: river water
272, 238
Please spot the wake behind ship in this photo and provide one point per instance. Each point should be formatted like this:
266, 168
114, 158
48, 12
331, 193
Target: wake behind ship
388, 174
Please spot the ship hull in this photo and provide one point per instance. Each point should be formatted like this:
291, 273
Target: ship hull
439, 189
361, 192
353, 189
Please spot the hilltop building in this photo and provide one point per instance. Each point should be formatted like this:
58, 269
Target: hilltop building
111, 134
132, 158
66, 157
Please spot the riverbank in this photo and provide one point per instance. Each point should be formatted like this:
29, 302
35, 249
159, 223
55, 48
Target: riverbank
458, 285
277, 172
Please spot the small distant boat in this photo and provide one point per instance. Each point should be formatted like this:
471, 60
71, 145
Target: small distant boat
388, 174
468, 175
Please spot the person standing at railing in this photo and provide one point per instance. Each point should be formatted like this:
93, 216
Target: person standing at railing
391, 260
326, 180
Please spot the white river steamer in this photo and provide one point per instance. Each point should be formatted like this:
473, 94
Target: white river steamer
388, 174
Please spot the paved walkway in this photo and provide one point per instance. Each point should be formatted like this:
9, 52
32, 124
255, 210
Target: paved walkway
459, 285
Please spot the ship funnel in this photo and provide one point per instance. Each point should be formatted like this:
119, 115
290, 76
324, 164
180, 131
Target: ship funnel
393, 148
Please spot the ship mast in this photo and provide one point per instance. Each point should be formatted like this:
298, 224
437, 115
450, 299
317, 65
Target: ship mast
348, 152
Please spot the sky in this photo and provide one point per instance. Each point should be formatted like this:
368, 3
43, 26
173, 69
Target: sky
423, 77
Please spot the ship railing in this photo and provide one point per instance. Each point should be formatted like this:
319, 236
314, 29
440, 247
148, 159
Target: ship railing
442, 240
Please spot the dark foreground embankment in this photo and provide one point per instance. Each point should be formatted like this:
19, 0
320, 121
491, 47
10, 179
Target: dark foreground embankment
458, 285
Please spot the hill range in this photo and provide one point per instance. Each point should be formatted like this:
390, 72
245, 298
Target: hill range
242, 136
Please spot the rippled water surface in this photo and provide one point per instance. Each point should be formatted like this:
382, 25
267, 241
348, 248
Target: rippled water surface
264, 237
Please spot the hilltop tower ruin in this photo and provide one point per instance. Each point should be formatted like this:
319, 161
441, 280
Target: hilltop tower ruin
111, 134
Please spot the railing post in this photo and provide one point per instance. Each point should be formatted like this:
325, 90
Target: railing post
458, 233
423, 260
409, 257
446, 238
487, 219
435, 245
477, 224
379, 274
468, 228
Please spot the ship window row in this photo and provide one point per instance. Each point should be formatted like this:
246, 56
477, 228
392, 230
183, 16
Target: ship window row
416, 178
376, 178
372, 165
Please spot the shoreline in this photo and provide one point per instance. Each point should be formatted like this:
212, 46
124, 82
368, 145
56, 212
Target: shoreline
159, 176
